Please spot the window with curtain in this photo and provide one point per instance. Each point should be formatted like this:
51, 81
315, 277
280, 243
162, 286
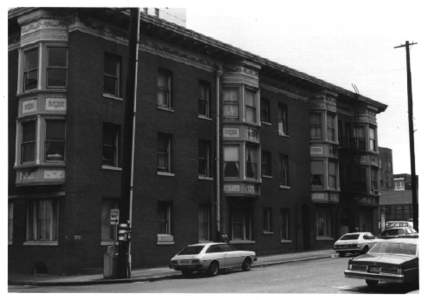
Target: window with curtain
315, 125
31, 69
55, 140
231, 103
241, 224
164, 89
250, 106
164, 153
251, 160
231, 161
28, 141
42, 220
282, 119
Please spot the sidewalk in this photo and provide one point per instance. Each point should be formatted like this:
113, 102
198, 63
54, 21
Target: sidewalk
153, 274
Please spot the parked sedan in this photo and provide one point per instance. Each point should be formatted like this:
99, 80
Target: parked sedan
355, 242
211, 258
398, 232
394, 260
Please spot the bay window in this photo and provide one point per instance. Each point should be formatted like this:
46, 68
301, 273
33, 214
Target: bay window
372, 139
250, 106
317, 174
231, 161
315, 121
231, 103
31, 69
251, 160
332, 175
55, 140
56, 70
28, 141
331, 126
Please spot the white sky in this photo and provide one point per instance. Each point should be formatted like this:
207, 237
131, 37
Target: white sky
342, 42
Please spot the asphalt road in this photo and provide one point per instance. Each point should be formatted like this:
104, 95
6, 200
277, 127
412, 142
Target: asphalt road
316, 276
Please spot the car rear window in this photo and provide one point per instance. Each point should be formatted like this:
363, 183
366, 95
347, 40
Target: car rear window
191, 250
394, 248
349, 237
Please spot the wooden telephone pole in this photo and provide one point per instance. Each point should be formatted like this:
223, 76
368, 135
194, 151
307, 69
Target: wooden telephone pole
411, 136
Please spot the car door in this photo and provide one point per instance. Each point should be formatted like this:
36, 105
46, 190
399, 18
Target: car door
233, 256
215, 252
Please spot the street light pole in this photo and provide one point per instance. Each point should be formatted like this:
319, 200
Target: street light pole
127, 184
411, 136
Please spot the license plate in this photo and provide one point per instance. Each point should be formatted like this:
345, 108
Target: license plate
374, 269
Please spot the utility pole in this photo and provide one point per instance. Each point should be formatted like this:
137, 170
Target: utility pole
125, 203
411, 136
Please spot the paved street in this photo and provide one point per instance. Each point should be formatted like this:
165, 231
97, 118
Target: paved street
317, 276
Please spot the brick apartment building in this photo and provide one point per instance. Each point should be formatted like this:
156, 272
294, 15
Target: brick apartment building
298, 164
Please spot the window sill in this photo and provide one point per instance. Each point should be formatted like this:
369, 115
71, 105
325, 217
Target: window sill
267, 123
111, 168
168, 174
168, 109
201, 177
40, 243
108, 243
203, 117
267, 232
267, 176
286, 241
284, 187
242, 242
37, 90
110, 96
324, 238
284, 135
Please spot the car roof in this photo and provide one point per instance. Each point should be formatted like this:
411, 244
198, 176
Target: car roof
206, 243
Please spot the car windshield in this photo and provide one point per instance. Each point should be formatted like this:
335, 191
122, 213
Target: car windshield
349, 237
191, 250
394, 248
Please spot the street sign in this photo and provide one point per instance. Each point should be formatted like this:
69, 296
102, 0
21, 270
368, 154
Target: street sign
114, 216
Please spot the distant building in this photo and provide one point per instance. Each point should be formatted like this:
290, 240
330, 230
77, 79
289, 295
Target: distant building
174, 15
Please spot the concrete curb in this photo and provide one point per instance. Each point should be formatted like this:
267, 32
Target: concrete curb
149, 278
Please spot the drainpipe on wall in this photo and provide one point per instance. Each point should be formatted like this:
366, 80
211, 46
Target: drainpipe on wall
219, 73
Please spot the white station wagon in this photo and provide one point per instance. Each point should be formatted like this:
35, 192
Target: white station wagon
211, 258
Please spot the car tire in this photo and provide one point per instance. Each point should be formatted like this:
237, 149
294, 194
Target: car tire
246, 264
186, 272
213, 269
371, 283
365, 249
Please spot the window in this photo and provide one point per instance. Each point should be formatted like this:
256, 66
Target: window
42, 220
204, 221
323, 222
332, 175
315, 125
317, 174
28, 141
331, 126
250, 106
251, 160
55, 140
282, 119
56, 70
241, 224
399, 185
231, 161
107, 230
205, 158
359, 178
10, 222
359, 138
204, 101
267, 219
112, 72
31, 69
285, 224
265, 110
372, 139
111, 142
164, 153
284, 170
266, 163
164, 87
165, 217
374, 179
231, 103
